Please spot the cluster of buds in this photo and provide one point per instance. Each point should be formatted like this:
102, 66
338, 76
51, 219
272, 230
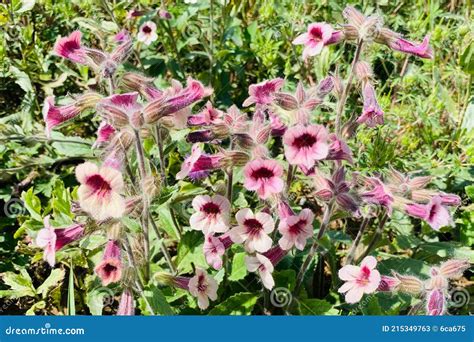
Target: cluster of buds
433, 290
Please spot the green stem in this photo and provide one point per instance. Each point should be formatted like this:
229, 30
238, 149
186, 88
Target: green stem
355, 244
342, 101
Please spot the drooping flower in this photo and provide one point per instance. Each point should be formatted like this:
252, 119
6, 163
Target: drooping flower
336, 188
261, 264
203, 287
296, 229
56, 115
359, 279
109, 270
435, 303
198, 164
263, 176
52, 240
375, 192
212, 214
262, 93
372, 114
121, 109
100, 191
314, 39
434, 213
126, 305
208, 116
147, 34
70, 48
104, 133
422, 50
214, 249
253, 230
304, 145
338, 149
134, 13
172, 101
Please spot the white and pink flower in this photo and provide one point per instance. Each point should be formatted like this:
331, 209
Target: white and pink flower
52, 240
100, 191
263, 176
304, 145
147, 34
314, 40
214, 249
296, 229
212, 214
261, 264
253, 230
359, 279
203, 287
109, 269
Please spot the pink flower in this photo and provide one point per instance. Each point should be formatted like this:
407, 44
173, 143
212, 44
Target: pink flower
263, 176
100, 191
388, 284
54, 116
253, 230
203, 287
262, 93
377, 193
147, 34
304, 145
212, 214
174, 100
317, 36
209, 116
70, 48
126, 305
422, 50
134, 13
121, 109
104, 133
372, 114
338, 149
296, 229
261, 264
335, 188
214, 249
434, 213
198, 164
52, 240
359, 279
436, 303
109, 270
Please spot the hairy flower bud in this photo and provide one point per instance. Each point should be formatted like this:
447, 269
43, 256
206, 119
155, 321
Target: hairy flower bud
285, 101
363, 71
409, 284
454, 268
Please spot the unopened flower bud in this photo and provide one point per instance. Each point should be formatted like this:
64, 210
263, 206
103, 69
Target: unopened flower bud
88, 100
454, 268
113, 231
233, 158
325, 86
150, 186
363, 71
285, 101
409, 284
244, 140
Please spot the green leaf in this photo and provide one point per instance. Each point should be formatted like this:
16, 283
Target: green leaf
55, 278
315, 306
190, 252
36, 306
239, 270
467, 59
470, 191
239, 304
20, 284
32, 204
157, 300
165, 221
96, 298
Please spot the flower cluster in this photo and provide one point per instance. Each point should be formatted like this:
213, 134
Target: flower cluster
274, 141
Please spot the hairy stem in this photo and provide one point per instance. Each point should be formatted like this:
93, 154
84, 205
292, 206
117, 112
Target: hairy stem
314, 246
355, 244
376, 237
345, 93
159, 142
163, 247
230, 176
289, 177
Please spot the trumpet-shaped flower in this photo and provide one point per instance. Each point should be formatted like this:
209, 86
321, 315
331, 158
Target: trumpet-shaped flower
212, 214
263, 176
147, 34
126, 305
214, 249
261, 264
253, 230
203, 287
70, 48
314, 39
372, 114
296, 229
434, 213
359, 279
109, 270
56, 115
100, 191
304, 145
198, 164
52, 240
121, 109
263, 92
